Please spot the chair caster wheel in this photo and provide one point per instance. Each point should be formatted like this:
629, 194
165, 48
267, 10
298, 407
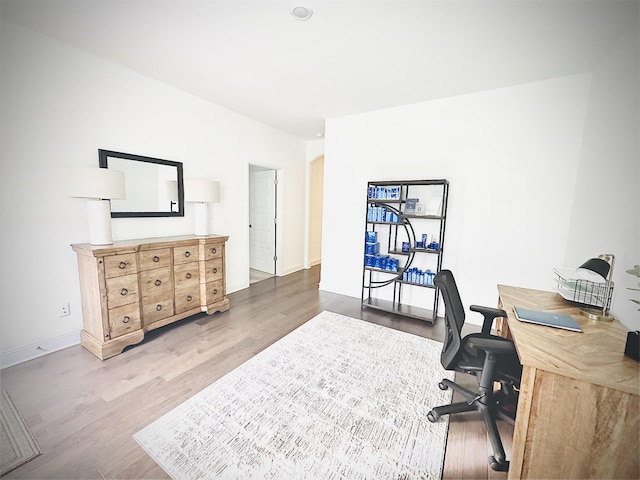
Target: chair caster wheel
443, 386
432, 416
495, 465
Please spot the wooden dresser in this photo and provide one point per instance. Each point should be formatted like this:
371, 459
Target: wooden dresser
133, 286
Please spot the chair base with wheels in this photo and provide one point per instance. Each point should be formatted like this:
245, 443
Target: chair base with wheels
490, 406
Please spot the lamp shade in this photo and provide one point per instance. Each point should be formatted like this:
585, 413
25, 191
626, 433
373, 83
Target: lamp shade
594, 269
201, 191
95, 182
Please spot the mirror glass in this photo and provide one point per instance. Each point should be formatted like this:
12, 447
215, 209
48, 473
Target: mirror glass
153, 186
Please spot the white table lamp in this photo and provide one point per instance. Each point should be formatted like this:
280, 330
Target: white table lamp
200, 193
99, 185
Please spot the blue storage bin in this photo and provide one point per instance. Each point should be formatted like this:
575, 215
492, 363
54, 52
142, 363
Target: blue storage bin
372, 248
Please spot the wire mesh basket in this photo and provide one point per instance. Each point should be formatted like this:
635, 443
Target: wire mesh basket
582, 291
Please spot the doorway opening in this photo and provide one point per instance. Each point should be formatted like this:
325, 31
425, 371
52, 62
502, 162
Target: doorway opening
316, 197
263, 203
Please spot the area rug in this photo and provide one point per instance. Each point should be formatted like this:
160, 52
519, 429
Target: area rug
337, 398
17, 445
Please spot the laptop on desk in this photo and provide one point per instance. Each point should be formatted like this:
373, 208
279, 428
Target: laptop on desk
549, 319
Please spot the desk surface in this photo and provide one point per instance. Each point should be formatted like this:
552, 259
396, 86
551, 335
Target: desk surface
595, 355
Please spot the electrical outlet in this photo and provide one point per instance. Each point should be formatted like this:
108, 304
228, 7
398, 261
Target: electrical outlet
64, 310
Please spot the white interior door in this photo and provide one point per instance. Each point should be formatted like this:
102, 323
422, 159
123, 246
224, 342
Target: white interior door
262, 219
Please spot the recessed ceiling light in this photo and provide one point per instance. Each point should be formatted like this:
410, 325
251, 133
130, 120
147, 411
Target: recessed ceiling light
301, 12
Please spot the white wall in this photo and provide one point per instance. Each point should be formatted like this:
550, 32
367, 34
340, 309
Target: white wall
606, 206
517, 159
58, 107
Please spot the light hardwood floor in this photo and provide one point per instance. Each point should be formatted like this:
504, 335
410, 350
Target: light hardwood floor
83, 411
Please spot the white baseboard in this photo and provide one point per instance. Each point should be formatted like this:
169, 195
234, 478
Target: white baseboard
23, 354
231, 288
293, 269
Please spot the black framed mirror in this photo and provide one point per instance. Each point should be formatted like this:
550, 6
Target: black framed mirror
154, 187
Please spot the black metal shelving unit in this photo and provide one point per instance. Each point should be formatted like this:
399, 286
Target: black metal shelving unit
384, 288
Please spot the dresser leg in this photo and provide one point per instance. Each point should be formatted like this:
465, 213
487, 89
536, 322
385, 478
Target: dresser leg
110, 348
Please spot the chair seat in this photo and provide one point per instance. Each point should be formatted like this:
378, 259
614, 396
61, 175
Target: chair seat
471, 361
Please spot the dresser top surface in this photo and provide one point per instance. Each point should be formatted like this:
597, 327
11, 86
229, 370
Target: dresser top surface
138, 244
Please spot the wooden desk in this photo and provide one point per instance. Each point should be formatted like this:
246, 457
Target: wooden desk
579, 398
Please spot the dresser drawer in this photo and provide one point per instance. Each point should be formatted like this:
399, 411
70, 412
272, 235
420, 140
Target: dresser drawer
215, 291
124, 319
187, 298
185, 254
156, 308
213, 270
187, 286
157, 258
122, 290
118, 265
156, 294
186, 275
213, 250
154, 281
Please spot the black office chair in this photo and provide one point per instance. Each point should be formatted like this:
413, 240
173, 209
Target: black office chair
488, 357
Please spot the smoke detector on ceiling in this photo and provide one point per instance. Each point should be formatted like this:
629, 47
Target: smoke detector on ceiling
301, 12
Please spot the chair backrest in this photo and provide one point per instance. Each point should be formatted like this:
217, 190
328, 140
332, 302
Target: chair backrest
454, 316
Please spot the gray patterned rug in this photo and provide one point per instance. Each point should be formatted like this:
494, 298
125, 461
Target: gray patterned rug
17, 445
337, 398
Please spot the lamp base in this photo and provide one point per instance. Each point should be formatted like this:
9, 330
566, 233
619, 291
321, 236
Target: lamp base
596, 314
201, 220
99, 212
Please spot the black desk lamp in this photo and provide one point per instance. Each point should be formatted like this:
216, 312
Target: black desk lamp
599, 270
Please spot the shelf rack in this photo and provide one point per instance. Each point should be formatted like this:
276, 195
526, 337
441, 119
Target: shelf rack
384, 289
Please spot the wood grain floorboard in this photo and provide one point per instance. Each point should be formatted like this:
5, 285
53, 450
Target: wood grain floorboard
84, 411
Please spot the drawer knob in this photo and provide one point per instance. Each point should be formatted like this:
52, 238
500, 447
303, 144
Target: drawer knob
188, 275
189, 298
215, 270
187, 254
156, 258
124, 291
158, 307
215, 291
122, 265
214, 250
126, 319
158, 282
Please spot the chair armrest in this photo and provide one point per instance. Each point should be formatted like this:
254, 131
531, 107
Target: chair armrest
497, 345
489, 314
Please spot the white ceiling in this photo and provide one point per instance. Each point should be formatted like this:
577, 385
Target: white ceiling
349, 57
